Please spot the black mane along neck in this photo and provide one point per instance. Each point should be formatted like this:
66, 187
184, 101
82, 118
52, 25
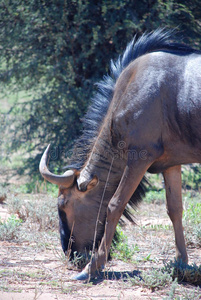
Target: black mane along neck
159, 40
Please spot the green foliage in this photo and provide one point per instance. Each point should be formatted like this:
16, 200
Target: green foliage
191, 178
183, 295
155, 196
171, 294
120, 248
153, 279
184, 272
9, 229
158, 227
192, 215
54, 51
193, 212
36, 185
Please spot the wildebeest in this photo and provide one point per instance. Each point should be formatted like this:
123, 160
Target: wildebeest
146, 116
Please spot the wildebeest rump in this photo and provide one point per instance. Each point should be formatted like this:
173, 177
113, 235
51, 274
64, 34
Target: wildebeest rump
145, 117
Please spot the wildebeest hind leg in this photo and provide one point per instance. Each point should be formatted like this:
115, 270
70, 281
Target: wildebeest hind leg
172, 177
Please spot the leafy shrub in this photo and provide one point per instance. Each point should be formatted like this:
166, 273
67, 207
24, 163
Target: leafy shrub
184, 272
183, 294
9, 229
120, 248
38, 185
152, 279
16, 206
154, 196
42, 212
191, 176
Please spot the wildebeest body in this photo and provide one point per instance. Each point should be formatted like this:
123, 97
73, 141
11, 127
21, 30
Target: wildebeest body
152, 123
170, 98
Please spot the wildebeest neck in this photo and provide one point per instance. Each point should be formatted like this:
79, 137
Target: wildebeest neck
102, 160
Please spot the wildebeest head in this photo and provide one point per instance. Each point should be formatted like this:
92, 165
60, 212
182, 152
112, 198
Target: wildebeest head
83, 207
81, 222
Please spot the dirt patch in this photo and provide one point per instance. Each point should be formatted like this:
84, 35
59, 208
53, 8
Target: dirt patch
34, 267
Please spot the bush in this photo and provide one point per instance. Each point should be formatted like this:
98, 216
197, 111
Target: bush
43, 212
155, 196
184, 272
153, 279
9, 230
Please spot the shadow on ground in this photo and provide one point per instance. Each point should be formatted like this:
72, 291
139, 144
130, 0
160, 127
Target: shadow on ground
112, 275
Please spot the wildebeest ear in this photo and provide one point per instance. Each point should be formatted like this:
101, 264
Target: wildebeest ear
92, 183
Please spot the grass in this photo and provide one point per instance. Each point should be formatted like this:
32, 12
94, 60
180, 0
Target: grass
192, 213
159, 227
192, 219
120, 248
38, 274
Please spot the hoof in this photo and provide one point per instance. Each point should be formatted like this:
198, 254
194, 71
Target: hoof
81, 276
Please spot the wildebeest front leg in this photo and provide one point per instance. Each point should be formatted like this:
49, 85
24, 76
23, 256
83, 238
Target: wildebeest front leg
172, 177
130, 180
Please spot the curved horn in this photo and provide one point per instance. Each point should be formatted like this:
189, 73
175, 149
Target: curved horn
66, 180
